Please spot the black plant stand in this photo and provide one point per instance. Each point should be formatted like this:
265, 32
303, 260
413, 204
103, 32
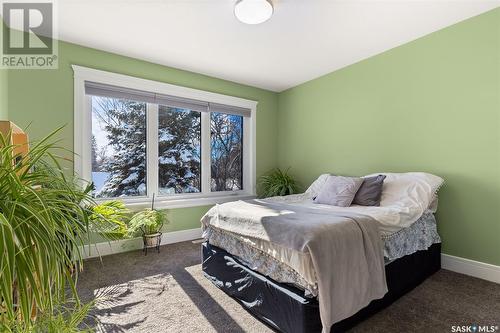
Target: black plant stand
151, 241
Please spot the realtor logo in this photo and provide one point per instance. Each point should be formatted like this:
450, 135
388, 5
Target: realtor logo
28, 35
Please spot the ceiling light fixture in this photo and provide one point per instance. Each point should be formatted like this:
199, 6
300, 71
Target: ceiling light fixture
253, 11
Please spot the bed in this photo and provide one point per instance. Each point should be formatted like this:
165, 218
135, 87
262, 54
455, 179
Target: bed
304, 267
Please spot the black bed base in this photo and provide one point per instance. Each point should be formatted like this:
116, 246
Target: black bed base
285, 309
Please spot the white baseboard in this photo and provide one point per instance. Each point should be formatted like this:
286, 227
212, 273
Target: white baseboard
470, 267
125, 245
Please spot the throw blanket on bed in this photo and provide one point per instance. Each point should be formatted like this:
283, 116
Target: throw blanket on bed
346, 249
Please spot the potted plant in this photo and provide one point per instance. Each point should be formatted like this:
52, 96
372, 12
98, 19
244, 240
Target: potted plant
278, 183
44, 221
148, 223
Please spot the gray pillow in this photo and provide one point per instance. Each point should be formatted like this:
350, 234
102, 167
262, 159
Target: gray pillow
370, 192
338, 191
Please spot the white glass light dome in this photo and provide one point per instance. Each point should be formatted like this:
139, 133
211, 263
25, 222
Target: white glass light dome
253, 11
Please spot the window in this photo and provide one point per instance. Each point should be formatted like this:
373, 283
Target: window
179, 150
137, 139
226, 145
118, 147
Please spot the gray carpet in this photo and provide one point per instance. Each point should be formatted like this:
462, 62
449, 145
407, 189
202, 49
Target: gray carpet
167, 292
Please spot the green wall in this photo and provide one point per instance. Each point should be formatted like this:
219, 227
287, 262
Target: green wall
43, 99
3, 94
430, 105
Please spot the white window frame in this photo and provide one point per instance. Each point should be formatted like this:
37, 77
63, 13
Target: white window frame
83, 137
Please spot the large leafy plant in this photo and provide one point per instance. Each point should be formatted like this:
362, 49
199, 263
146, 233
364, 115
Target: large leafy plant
44, 219
108, 219
278, 183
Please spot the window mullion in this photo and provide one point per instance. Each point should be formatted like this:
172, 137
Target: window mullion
248, 181
205, 152
86, 150
152, 149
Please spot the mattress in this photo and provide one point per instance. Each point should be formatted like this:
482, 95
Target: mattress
295, 268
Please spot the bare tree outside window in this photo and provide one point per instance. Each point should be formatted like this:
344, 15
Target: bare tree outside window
226, 152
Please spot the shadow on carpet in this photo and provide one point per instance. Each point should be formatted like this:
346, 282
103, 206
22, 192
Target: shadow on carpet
167, 292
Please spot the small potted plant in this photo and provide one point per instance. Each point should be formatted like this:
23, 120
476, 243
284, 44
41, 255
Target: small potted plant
148, 223
278, 183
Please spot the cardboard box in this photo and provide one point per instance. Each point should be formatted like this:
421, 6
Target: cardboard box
18, 138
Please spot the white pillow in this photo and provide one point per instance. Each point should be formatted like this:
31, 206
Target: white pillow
410, 189
405, 197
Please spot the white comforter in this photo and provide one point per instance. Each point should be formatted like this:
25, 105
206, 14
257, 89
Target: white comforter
391, 218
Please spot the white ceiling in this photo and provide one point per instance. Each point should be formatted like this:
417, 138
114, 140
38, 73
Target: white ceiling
303, 40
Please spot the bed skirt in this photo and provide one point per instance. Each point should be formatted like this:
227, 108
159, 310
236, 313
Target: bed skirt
285, 309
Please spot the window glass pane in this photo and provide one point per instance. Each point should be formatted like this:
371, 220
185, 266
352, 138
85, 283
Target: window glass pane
179, 150
118, 147
226, 152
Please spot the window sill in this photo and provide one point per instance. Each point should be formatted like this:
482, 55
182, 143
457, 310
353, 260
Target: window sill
169, 203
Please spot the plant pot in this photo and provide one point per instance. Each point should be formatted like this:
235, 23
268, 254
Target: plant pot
151, 241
